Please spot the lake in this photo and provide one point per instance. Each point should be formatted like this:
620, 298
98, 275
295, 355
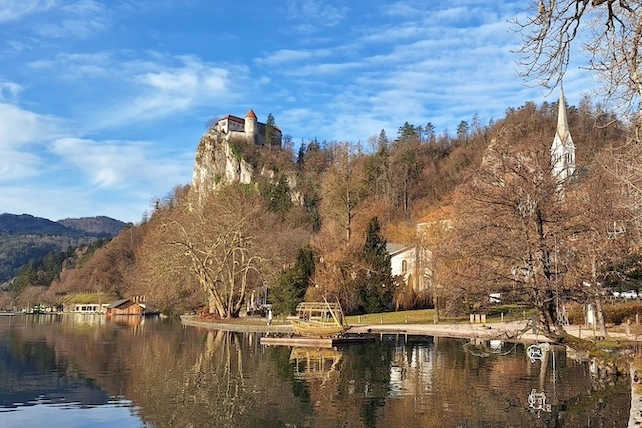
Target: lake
85, 371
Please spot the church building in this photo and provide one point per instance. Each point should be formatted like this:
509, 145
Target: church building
563, 149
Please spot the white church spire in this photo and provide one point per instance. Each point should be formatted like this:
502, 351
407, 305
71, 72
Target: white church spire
563, 149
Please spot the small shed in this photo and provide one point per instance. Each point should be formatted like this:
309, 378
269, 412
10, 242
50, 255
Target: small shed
124, 307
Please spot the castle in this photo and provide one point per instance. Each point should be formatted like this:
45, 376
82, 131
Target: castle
249, 128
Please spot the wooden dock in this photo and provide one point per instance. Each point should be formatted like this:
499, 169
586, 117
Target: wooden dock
316, 342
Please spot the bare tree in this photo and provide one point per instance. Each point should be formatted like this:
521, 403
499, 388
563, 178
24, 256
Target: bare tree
610, 32
510, 214
343, 187
228, 248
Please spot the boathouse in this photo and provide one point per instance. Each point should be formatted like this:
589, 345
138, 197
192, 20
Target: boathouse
124, 307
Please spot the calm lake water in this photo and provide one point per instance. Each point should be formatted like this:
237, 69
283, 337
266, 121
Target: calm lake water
84, 371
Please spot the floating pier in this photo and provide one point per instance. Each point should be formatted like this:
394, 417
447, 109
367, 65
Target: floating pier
318, 342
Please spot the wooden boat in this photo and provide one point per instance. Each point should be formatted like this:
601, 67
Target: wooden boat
319, 319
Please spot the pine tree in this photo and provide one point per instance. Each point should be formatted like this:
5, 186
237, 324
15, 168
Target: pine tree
270, 133
376, 282
291, 286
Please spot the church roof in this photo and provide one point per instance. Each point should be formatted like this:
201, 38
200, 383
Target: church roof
562, 121
442, 213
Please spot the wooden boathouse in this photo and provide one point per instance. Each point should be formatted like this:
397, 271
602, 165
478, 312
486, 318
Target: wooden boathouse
124, 307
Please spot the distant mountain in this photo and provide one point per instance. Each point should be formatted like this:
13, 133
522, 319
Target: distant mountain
12, 224
98, 226
25, 237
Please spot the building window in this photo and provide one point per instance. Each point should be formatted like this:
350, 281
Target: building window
404, 266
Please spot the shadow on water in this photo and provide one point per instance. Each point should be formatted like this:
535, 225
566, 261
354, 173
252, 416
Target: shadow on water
168, 375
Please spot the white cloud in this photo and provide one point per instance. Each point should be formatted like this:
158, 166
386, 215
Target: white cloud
121, 164
148, 87
75, 28
11, 10
315, 12
86, 17
18, 126
9, 91
18, 166
287, 55
402, 9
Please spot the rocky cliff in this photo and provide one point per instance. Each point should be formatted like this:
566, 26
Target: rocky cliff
220, 160
217, 164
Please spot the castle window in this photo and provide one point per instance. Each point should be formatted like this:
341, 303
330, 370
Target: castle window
404, 266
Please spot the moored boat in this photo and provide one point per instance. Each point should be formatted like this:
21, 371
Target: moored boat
319, 319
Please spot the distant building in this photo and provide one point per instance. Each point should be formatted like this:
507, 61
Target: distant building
403, 259
88, 308
415, 264
124, 307
249, 128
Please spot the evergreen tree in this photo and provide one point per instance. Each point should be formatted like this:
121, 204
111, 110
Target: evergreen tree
270, 132
376, 282
279, 196
291, 286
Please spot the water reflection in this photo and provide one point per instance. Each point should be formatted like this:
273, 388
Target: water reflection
161, 374
315, 363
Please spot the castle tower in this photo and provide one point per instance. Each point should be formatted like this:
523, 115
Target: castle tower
563, 149
251, 125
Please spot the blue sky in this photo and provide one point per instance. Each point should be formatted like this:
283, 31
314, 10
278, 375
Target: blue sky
102, 103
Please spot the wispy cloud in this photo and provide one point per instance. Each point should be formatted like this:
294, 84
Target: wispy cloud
285, 56
313, 13
9, 91
19, 127
82, 19
148, 87
16, 165
120, 164
11, 10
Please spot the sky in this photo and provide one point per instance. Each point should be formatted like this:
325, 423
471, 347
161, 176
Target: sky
103, 103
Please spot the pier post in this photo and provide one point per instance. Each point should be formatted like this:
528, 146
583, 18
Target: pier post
628, 327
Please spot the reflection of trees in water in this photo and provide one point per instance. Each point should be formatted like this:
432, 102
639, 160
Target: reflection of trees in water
465, 390
179, 376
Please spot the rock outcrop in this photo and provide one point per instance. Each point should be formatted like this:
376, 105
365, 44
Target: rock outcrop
220, 162
216, 165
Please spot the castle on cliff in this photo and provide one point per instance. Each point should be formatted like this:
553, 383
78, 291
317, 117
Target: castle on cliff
249, 128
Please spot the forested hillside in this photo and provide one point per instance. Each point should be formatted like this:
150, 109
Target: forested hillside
99, 226
24, 238
314, 222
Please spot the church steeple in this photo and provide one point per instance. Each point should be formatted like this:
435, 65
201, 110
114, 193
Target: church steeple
563, 149
562, 121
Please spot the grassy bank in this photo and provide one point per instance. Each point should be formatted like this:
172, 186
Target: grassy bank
427, 316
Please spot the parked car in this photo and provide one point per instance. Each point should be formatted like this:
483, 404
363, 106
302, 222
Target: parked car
631, 294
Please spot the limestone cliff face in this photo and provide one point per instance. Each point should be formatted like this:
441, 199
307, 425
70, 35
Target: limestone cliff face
216, 165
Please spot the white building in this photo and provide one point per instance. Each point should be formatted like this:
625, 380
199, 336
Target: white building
563, 149
403, 262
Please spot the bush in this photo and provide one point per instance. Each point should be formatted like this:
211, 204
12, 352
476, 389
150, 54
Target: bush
616, 313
